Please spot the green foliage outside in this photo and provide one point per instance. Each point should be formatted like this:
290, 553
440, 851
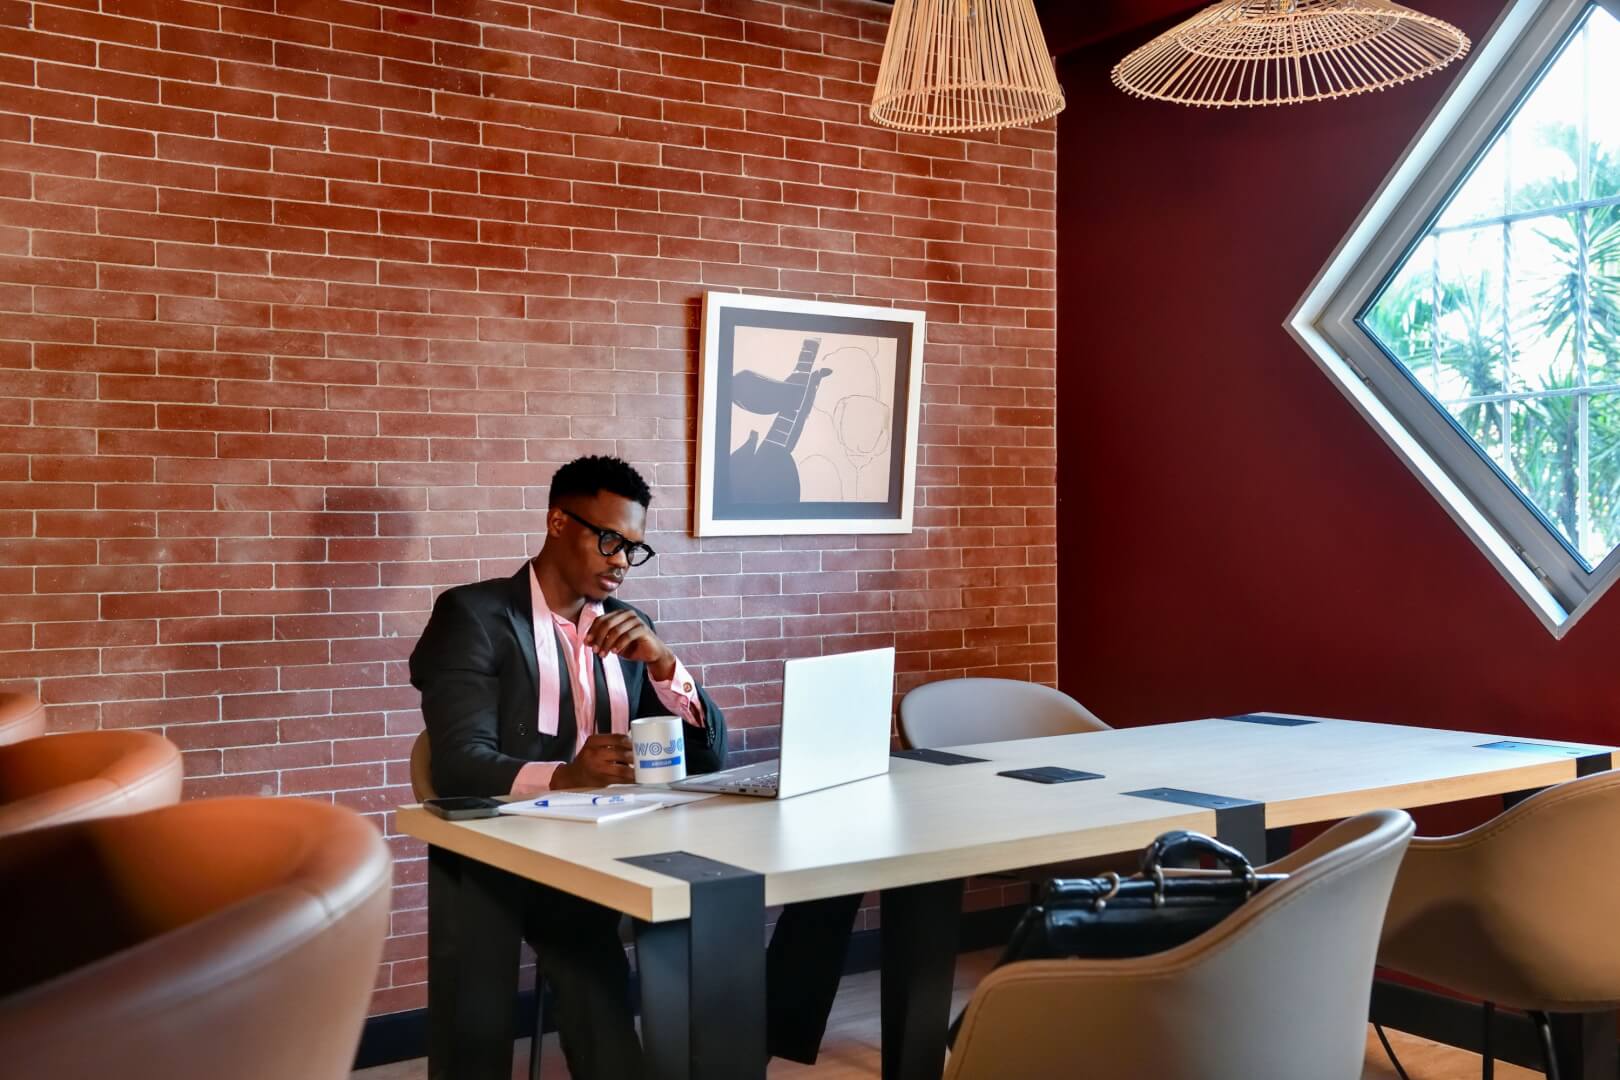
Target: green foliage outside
1448, 330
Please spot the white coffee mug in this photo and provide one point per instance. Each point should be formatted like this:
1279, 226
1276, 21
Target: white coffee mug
659, 743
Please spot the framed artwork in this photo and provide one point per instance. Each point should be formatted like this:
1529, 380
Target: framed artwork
808, 417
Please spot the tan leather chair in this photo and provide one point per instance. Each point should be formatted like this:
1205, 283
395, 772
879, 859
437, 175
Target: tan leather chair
55, 779
1519, 911
1276, 991
21, 717
219, 938
422, 769
956, 712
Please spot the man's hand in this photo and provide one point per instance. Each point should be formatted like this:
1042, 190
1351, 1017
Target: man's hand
622, 632
603, 760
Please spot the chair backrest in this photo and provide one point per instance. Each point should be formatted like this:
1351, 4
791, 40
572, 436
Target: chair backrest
1278, 990
955, 712
220, 937
422, 769
55, 779
1519, 911
21, 717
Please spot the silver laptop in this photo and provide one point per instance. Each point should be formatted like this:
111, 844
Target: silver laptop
835, 729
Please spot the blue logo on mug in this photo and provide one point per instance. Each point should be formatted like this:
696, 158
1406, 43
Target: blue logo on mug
654, 754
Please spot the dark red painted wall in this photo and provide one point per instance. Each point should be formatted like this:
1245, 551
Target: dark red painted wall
1232, 535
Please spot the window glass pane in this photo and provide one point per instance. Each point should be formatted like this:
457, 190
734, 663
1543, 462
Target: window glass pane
1544, 302
1543, 139
1604, 476
1403, 316
1544, 457
1470, 326
1482, 194
1603, 90
1603, 294
1483, 422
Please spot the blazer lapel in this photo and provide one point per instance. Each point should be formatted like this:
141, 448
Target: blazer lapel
520, 613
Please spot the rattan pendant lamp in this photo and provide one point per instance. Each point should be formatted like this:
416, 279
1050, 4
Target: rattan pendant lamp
1278, 52
953, 66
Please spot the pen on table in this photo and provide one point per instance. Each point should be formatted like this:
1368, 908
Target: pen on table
579, 800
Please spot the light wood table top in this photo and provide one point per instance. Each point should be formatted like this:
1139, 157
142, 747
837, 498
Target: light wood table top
924, 822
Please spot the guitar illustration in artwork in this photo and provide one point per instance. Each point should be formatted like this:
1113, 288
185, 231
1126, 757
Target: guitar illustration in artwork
763, 470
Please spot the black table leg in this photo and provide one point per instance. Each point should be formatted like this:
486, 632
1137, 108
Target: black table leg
1586, 1045
474, 930
920, 924
703, 978
1242, 824
1510, 799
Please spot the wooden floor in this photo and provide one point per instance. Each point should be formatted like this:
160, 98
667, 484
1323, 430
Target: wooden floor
850, 1049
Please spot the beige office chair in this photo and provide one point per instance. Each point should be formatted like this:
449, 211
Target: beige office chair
956, 712
1519, 911
21, 717
55, 779
1276, 991
218, 938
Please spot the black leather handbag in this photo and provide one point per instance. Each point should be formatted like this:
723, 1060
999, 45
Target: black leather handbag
1110, 917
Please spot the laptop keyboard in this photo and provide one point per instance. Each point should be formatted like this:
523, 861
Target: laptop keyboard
764, 780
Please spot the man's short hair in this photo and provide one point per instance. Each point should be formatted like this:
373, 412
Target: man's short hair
588, 475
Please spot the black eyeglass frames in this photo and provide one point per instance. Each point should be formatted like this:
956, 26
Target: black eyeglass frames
610, 543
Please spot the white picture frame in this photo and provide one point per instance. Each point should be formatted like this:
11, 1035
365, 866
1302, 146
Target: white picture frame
808, 417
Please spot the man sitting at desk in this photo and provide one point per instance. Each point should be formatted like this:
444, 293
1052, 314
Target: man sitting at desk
529, 684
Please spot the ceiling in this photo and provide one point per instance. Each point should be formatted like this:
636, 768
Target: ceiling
1070, 25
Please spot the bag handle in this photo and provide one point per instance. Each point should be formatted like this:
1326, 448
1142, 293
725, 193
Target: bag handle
1183, 843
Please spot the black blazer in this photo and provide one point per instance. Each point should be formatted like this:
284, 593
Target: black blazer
475, 666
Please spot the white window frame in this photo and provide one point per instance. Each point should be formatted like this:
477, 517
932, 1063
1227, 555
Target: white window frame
1555, 584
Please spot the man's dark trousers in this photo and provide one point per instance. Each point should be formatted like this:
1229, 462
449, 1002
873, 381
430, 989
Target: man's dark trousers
581, 956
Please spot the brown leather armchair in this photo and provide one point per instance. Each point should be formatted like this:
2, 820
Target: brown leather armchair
1278, 990
1519, 911
21, 717
219, 938
55, 779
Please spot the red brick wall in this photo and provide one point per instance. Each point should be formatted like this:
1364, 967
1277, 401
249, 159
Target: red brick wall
301, 301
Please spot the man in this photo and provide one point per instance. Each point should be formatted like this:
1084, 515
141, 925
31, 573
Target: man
529, 684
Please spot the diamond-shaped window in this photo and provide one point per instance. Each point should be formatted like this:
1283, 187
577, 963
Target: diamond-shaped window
1472, 315
1507, 311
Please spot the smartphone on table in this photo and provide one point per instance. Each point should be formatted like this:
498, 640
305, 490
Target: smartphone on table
462, 807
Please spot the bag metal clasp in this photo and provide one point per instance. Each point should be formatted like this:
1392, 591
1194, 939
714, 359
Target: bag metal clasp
1101, 902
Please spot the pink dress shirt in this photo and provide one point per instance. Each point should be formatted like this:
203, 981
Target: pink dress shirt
678, 693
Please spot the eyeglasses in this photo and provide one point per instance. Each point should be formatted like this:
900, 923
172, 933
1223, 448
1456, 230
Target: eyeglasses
610, 543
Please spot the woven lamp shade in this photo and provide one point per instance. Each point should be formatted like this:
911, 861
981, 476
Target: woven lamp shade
1277, 52
965, 65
